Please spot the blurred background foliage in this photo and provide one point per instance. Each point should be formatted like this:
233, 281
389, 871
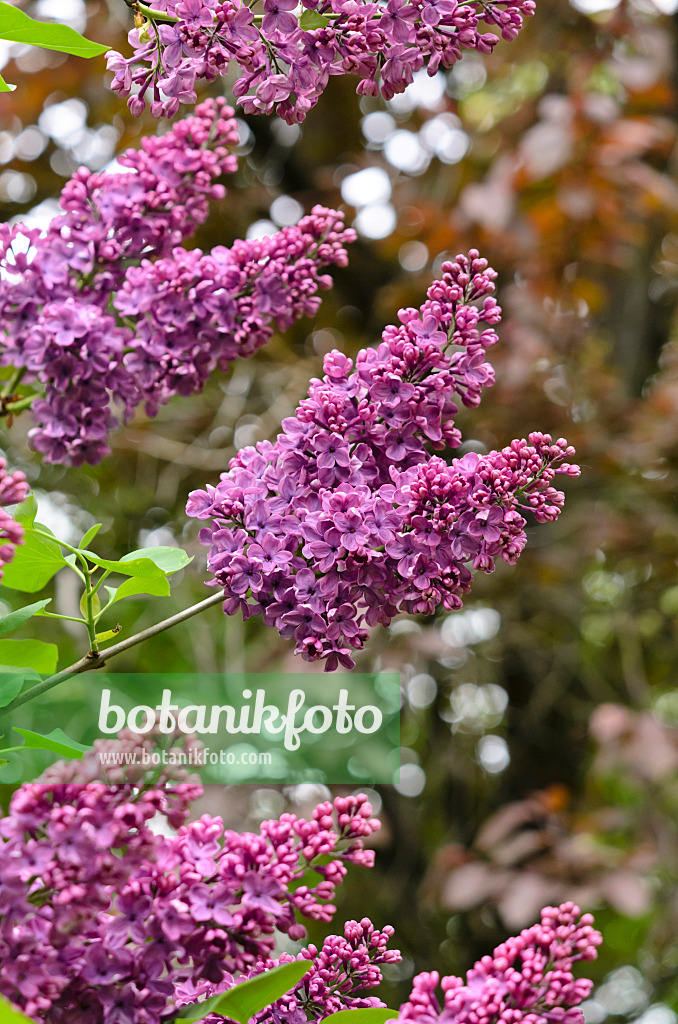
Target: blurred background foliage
540, 724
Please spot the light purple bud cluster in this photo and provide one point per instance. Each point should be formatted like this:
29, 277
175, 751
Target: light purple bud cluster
284, 62
102, 919
346, 519
527, 979
13, 489
341, 971
106, 311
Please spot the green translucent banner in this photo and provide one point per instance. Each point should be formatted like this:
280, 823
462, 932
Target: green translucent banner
230, 728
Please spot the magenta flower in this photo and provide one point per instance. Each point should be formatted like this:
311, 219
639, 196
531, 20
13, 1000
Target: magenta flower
371, 522
126, 932
113, 257
276, 18
382, 44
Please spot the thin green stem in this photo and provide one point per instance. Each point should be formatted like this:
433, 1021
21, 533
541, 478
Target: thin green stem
89, 620
105, 576
155, 15
96, 661
21, 403
13, 382
55, 615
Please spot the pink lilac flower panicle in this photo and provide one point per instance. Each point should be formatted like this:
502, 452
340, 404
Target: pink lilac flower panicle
528, 978
102, 919
347, 519
108, 311
284, 63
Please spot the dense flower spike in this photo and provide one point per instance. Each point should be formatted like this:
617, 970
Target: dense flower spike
345, 968
528, 978
13, 488
346, 519
103, 919
108, 312
285, 61
195, 312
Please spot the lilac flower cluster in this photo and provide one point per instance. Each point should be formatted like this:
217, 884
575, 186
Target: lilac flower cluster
347, 966
284, 62
195, 312
107, 311
346, 519
13, 488
528, 978
103, 919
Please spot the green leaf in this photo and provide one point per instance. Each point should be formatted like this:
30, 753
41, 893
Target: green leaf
130, 588
168, 559
312, 19
193, 1012
96, 605
15, 619
6, 87
109, 633
140, 568
26, 512
57, 741
18, 27
90, 535
12, 680
243, 1001
8, 1013
35, 654
34, 564
367, 1015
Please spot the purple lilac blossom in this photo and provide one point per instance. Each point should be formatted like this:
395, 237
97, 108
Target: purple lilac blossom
361, 520
527, 979
284, 63
103, 920
345, 967
107, 311
13, 489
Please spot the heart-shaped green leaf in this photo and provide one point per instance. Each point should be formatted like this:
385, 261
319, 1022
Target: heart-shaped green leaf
249, 997
26, 512
140, 568
168, 559
57, 741
8, 1013
312, 19
14, 619
90, 535
35, 654
366, 1015
34, 564
18, 27
131, 588
12, 679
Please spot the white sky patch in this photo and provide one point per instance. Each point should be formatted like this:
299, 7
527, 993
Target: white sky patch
493, 754
404, 151
261, 229
286, 211
377, 220
594, 6
70, 12
65, 122
422, 92
371, 185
